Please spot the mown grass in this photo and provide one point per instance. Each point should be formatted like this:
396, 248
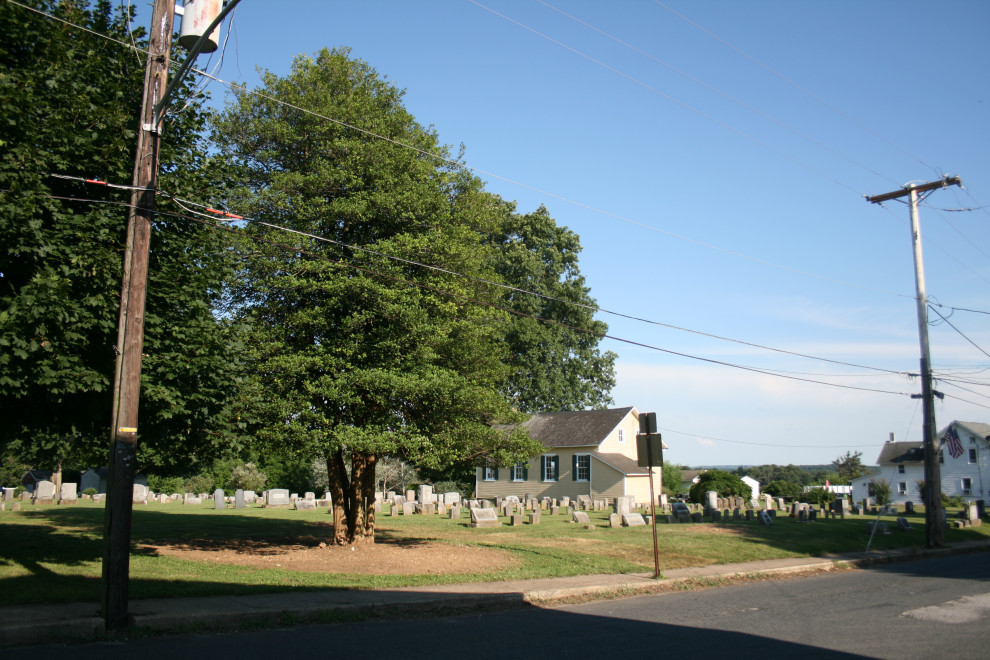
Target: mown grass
54, 554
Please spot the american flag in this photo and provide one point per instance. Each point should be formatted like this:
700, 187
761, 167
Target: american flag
952, 441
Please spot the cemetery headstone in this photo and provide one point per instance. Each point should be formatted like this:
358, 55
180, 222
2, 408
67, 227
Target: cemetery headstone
749, 514
425, 494
615, 521
410, 495
277, 498
218, 501
766, 518
44, 492
441, 509
903, 525
697, 517
633, 520
304, 504
534, 517
624, 504
554, 510
191, 499
484, 518
140, 494
408, 508
516, 519
455, 512
68, 494
239, 499
309, 495
451, 498
711, 501
580, 517
716, 516
909, 507
970, 512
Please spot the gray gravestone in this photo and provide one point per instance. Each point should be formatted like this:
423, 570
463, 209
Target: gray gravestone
408, 508
239, 498
633, 520
484, 518
534, 517
711, 501
140, 494
903, 525
451, 498
615, 521
580, 517
766, 518
191, 499
68, 494
455, 512
716, 516
425, 494
305, 505
44, 492
218, 501
516, 519
277, 498
697, 517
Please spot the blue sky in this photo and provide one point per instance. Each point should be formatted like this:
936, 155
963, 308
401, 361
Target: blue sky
712, 156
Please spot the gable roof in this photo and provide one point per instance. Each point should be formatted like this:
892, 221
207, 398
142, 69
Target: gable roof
901, 452
577, 428
627, 466
979, 429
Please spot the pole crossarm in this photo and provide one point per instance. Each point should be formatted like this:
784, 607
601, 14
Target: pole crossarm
945, 182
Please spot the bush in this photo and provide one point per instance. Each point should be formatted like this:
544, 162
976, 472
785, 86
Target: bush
954, 501
247, 477
787, 489
167, 485
818, 496
722, 482
90, 492
201, 483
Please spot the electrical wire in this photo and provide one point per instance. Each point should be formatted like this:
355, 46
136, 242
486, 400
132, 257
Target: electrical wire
601, 335
718, 91
594, 308
670, 98
961, 333
795, 85
459, 165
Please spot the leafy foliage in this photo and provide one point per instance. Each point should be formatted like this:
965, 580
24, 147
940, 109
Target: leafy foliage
849, 466
555, 364
671, 478
70, 103
880, 491
360, 355
722, 482
786, 489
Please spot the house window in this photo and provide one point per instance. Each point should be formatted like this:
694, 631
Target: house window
941, 457
491, 474
972, 455
622, 437
902, 488
582, 467
900, 469
550, 467
967, 486
520, 472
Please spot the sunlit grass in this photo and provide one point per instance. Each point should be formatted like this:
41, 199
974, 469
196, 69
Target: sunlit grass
52, 553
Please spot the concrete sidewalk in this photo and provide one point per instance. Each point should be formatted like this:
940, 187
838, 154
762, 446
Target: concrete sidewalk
24, 625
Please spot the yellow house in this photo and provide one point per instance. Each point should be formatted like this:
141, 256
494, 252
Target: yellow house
588, 452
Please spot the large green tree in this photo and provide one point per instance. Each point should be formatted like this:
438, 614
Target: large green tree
360, 352
69, 103
554, 359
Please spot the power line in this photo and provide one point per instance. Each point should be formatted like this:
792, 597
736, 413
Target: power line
338, 262
961, 333
719, 92
795, 85
594, 308
669, 98
454, 163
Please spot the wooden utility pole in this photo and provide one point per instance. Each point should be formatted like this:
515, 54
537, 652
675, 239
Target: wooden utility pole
934, 516
130, 329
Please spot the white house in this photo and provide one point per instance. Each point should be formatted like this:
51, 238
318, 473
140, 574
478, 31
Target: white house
964, 457
753, 484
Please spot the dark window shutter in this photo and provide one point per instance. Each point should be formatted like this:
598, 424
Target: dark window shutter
574, 467
496, 474
543, 468
556, 468
525, 471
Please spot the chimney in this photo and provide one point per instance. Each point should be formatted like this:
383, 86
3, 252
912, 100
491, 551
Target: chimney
891, 437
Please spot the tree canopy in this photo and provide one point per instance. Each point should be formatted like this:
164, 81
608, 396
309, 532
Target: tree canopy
69, 104
722, 482
359, 349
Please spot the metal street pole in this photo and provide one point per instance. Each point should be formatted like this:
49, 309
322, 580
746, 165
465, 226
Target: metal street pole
934, 523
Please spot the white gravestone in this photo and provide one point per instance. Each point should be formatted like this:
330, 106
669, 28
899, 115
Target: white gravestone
484, 518
633, 520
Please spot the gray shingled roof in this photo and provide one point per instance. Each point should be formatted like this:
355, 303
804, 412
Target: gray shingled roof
901, 452
976, 428
627, 466
580, 428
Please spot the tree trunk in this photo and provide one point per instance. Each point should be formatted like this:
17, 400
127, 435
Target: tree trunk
368, 490
362, 515
339, 487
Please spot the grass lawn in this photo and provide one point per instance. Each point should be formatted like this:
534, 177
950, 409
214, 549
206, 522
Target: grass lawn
54, 553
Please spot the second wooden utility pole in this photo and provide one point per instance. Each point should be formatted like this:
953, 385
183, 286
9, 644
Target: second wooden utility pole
934, 516
130, 329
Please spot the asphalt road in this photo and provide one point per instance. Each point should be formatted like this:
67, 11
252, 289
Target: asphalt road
923, 609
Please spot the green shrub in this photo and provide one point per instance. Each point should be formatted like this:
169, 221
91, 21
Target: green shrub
201, 483
90, 492
166, 485
722, 482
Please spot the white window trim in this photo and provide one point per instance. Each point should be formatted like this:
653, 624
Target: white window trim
622, 435
546, 465
522, 468
579, 457
486, 472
